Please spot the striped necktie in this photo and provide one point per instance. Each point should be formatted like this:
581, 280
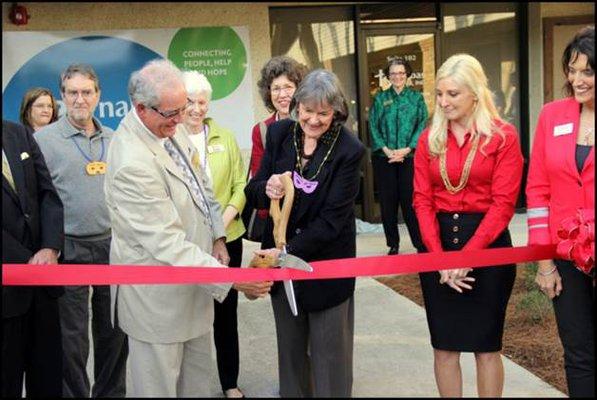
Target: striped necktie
191, 179
7, 172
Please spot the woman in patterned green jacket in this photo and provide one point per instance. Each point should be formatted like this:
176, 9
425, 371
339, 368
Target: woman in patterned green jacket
396, 120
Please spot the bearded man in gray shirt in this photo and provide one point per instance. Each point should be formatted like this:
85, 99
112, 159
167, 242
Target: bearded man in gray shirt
75, 148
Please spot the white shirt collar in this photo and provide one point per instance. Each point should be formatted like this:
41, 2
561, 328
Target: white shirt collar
146, 130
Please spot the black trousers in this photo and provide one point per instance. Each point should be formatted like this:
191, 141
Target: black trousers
395, 187
32, 345
226, 326
110, 346
574, 309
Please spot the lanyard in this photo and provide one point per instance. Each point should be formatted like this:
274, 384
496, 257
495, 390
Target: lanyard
85, 155
205, 134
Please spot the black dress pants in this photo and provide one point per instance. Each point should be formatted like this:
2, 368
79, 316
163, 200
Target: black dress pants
110, 345
575, 315
226, 326
32, 345
395, 187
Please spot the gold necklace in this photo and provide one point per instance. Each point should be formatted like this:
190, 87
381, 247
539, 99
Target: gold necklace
466, 170
588, 133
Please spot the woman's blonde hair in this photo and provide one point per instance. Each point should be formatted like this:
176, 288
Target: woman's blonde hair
465, 70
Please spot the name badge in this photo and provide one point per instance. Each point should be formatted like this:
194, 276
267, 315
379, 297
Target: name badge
216, 148
387, 102
563, 129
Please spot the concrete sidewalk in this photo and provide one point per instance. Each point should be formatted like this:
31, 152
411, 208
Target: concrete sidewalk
392, 351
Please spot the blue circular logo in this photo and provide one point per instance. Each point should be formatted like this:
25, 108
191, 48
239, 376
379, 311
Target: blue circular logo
113, 60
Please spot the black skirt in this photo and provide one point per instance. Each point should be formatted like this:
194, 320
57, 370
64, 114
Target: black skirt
472, 321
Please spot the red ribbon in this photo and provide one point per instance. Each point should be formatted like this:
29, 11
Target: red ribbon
74, 274
577, 240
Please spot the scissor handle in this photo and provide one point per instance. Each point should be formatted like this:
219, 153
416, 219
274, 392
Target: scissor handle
280, 218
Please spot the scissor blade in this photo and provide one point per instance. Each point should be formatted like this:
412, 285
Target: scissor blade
290, 296
294, 262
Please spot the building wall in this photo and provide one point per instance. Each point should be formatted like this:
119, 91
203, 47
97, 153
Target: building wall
68, 16
538, 11
566, 9
102, 16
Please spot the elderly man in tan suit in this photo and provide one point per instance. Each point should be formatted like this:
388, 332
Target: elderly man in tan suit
163, 213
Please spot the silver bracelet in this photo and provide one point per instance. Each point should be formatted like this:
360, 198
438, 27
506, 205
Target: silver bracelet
547, 273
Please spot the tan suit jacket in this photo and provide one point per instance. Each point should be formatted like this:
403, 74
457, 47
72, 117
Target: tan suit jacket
156, 220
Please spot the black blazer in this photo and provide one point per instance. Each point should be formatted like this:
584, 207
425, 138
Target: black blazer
32, 217
322, 224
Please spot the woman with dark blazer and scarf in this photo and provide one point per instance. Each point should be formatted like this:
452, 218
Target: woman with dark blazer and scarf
323, 157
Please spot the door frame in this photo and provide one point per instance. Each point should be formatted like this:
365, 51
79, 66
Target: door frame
548, 27
363, 31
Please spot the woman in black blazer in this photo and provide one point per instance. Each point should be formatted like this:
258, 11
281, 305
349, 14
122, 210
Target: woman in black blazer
323, 157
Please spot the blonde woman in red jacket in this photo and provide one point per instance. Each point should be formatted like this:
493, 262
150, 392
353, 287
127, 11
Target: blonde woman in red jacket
561, 181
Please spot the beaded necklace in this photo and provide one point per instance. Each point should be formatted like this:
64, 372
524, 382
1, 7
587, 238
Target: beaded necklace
298, 147
466, 170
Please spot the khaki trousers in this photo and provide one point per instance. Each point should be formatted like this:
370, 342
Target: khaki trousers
182, 369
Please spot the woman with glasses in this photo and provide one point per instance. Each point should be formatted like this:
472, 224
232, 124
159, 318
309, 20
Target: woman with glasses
396, 120
220, 159
280, 77
38, 109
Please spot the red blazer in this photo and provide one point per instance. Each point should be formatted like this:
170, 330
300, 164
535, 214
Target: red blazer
258, 148
555, 189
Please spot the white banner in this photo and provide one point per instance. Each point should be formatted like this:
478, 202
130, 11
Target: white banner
33, 59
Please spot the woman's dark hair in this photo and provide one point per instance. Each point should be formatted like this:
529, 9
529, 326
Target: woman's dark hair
28, 100
321, 87
399, 61
582, 43
275, 67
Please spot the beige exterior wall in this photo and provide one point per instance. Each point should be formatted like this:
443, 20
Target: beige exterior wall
101, 16
98, 16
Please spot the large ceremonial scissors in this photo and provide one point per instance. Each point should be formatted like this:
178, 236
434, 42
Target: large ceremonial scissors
284, 260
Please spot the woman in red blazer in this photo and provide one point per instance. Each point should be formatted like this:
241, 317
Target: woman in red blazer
561, 180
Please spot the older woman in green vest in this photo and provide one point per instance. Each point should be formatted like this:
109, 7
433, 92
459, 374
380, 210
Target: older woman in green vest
396, 120
220, 159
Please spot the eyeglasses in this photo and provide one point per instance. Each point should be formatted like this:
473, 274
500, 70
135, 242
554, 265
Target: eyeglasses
73, 94
42, 106
173, 113
286, 89
397, 73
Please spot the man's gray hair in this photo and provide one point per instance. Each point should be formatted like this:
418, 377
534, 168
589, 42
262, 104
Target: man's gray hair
147, 84
79, 69
321, 87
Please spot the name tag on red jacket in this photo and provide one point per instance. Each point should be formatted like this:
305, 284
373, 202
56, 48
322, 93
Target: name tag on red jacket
564, 129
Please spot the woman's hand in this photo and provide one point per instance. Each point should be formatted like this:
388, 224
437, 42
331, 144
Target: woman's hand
228, 216
263, 259
548, 279
273, 253
456, 278
274, 189
253, 290
398, 155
